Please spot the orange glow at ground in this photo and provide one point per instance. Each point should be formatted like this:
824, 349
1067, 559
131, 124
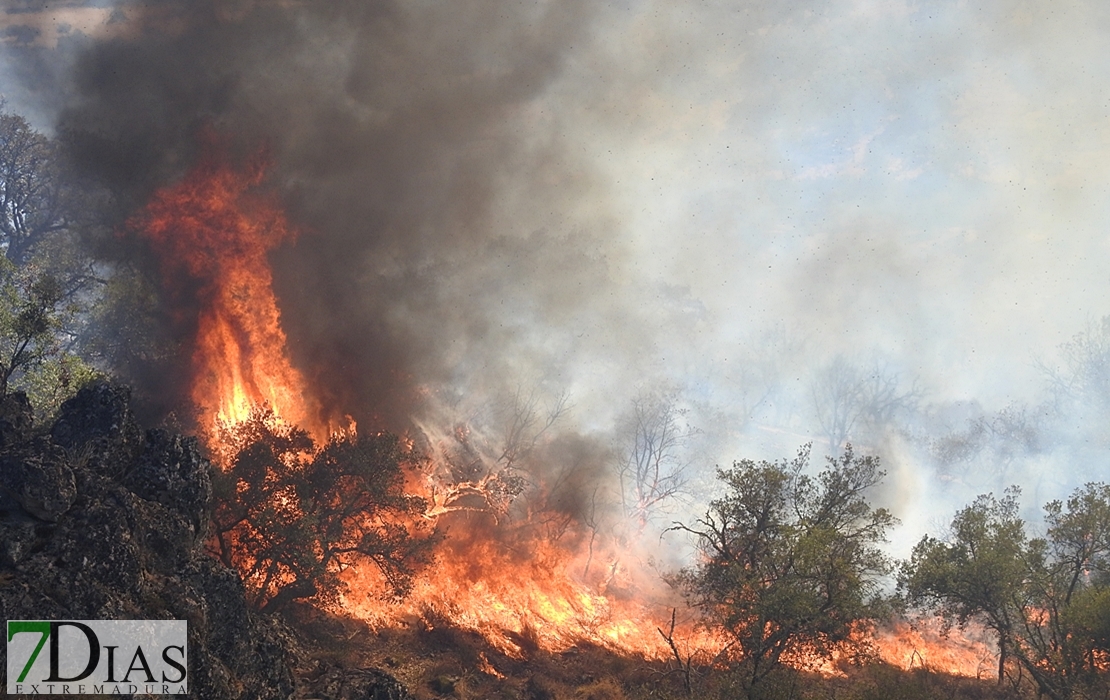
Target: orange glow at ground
528, 593
967, 652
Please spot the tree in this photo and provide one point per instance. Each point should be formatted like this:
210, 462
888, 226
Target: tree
292, 518
848, 398
484, 465
652, 470
1046, 598
1084, 377
34, 357
47, 280
1079, 383
993, 442
790, 563
32, 190
978, 573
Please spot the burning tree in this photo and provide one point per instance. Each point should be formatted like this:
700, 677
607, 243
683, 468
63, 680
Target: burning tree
790, 563
291, 518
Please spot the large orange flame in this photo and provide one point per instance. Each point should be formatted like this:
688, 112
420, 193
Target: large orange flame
213, 231
524, 591
926, 644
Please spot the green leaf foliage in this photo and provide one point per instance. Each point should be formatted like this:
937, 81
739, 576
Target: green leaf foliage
1047, 599
790, 563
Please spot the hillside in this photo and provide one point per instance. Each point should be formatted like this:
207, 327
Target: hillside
101, 519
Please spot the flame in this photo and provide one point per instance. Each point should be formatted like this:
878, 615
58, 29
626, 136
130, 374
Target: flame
516, 586
925, 644
528, 592
213, 232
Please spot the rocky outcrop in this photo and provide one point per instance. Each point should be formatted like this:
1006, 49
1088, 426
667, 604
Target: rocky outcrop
100, 519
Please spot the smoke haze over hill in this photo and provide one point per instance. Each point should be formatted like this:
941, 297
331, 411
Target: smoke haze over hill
728, 202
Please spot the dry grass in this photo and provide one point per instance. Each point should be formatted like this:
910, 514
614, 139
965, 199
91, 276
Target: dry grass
435, 660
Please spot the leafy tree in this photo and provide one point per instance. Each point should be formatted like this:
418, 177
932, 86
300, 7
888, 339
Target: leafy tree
32, 189
291, 517
29, 320
34, 356
978, 573
1046, 598
790, 563
47, 279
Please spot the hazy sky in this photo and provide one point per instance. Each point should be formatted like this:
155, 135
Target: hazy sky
926, 182
926, 178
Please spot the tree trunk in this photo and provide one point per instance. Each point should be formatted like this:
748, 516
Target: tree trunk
1001, 660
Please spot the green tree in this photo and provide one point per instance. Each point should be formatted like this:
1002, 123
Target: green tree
1047, 598
32, 189
790, 563
978, 572
34, 345
291, 517
48, 282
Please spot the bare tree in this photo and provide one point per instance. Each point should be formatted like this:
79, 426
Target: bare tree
526, 425
1010, 434
486, 465
848, 398
1084, 377
760, 392
652, 469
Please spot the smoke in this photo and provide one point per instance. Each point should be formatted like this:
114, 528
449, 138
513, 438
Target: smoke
398, 132
606, 200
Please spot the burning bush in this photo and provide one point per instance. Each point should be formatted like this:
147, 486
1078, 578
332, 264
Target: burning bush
291, 517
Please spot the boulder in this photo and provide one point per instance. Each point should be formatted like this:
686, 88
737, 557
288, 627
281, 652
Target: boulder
38, 481
97, 428
16, 419
101, 520
171, 470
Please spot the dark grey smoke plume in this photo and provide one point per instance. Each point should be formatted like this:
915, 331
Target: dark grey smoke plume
392, 126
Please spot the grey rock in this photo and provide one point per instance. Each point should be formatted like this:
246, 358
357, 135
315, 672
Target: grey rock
97, 428
41, 483
125, 516
16, 541
171, 470
16, 419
